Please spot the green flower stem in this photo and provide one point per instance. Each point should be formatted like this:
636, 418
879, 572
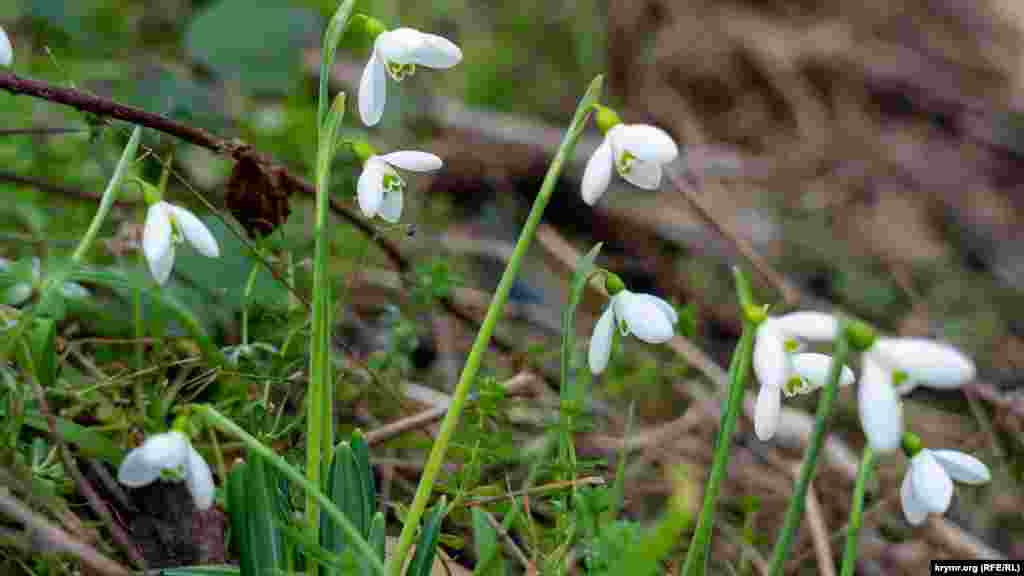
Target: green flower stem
483, 337
739, 369
56, 280
320, 394
795, 511
218, 420
867, 464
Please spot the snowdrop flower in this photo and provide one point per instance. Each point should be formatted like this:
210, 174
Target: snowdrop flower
636, 151
397, 53
928, 484
908, 362
380, 188
6, 50
167, 225
169, 456
777, 338
807, 372
647, 317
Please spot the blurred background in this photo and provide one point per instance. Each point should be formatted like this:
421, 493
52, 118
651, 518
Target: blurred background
871, 153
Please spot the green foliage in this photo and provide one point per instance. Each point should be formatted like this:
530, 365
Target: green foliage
265, 58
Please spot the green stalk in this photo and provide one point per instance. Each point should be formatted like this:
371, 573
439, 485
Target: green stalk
57, 279
867, 463
795, 511
218, 420
246, 297
483, 337
697, 553
320, 421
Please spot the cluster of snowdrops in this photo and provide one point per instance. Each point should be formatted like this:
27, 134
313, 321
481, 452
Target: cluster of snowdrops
889, 367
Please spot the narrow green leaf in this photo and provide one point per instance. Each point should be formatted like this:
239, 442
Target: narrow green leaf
345, 489
423, 560
335, 31
584, 269
361, 455
377, 540
42, 338
92, 443
485, 540
201, 571
238, 512
263, 521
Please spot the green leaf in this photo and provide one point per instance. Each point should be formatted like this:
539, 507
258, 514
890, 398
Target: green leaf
92, 443
335, 31
42, 341
256, 44
256, 515
489, 562
202, 571
423, 560
377, 540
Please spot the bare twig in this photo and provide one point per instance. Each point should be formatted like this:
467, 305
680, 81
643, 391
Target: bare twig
518, 384
819, 532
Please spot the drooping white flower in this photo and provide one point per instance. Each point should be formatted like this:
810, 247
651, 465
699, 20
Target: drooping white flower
928, 484
380, 188
636, 151
808, 371
647, 317
167, 225
6, 50
907, 362
777, 338
169, 456
397, 53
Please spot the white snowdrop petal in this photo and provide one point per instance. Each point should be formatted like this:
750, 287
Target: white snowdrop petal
199, 480
601, 342
646, 175
666, 309
156, 241
914, 511
435, 51
370, 188
413, 160
962, 467
932, 486
929, 362
195, 232
135, 470
880, 414
810, 326
391, 207
766, 412
771, 363
6, 50
648, 143
645, 318
400, 45
74, 291
373, 90
814, 368
597, 174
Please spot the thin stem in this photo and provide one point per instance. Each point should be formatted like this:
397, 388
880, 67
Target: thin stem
320, 397
697, 554
483, 337
867, 463
246, 297
795, 511
218, 420
140, 345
